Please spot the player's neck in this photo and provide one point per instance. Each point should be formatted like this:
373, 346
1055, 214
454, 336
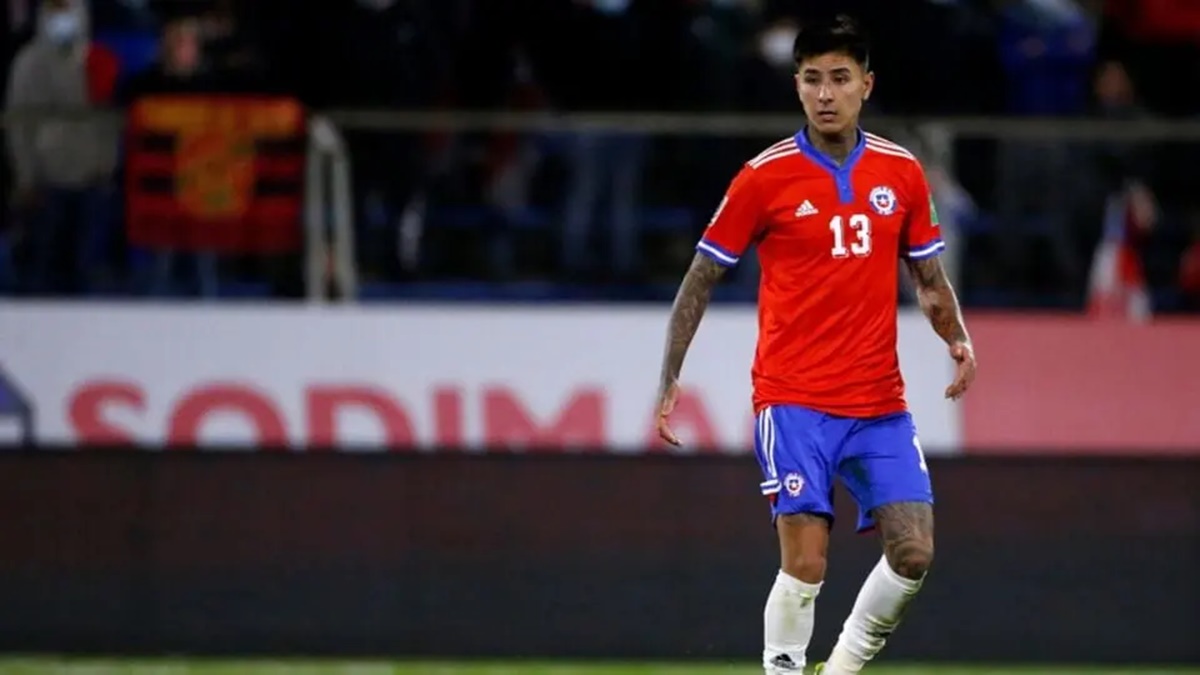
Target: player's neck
834, 146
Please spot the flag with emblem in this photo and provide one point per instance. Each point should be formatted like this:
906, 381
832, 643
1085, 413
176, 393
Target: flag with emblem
211, 173
1117, 285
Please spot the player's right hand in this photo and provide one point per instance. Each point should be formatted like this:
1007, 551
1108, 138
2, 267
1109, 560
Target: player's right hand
666, 404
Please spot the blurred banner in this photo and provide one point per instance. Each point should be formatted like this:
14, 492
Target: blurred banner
222, 174
553, 379
373, 378
1081, 386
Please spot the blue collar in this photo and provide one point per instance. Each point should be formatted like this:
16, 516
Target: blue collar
841, 173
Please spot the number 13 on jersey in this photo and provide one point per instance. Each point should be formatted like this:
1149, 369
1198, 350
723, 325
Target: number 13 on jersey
859, 226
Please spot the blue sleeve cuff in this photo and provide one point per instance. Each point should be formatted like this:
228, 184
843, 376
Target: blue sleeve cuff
720, 255
927, 251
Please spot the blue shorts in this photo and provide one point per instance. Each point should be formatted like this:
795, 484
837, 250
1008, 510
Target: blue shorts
800, 450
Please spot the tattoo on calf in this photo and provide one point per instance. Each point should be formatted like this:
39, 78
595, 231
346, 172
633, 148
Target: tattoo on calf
907, 532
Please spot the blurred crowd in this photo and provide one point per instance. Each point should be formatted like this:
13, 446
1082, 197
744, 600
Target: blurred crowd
1034, 223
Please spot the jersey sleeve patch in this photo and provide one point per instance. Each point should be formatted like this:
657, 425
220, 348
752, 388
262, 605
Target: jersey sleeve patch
927, 250
721, 255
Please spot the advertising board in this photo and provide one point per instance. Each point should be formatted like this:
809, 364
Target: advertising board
401, 378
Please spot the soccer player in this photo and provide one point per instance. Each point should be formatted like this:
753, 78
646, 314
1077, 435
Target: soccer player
830, 211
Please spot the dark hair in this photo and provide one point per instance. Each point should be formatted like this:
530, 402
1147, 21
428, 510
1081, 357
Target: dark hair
840, 33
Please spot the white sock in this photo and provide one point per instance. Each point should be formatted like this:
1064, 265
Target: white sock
877, 612
788, 621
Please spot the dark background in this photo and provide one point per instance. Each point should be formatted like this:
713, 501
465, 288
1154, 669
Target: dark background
1038, 559
451, 214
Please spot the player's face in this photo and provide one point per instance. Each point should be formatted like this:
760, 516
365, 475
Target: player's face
832, 89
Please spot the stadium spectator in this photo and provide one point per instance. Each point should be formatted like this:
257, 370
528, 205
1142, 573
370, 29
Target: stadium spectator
1158, 41
1047, 48
475, 204
1112, 188
376, 55
605, 167
226, 42
1155, 37
1117, 286
181, 68
63, 165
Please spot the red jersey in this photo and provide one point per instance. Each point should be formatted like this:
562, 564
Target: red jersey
828, 240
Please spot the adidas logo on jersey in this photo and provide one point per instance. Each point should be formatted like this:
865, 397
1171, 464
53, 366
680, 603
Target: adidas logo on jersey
806, 209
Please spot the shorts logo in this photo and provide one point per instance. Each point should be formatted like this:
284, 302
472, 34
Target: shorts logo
883, 200
794, 483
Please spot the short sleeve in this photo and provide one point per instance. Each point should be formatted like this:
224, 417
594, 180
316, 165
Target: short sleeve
735, 222
922, 232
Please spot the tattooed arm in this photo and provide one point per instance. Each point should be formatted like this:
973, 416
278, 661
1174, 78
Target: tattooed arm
937, 299
940, 305
690, 303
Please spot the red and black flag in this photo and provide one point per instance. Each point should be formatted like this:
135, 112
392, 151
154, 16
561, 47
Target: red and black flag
216, 173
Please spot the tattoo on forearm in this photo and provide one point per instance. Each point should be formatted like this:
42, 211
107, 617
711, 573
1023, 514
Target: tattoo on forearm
690, 303
938, 299
907, 532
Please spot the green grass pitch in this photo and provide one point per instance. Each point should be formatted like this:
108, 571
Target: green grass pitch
50, 666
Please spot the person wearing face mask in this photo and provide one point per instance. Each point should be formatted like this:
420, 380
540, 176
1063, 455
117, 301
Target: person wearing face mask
62, 165
1114, 189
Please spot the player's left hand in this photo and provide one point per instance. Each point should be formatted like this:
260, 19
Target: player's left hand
964, 355
666, 403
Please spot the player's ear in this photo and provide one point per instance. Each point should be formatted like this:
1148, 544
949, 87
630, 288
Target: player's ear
869, 79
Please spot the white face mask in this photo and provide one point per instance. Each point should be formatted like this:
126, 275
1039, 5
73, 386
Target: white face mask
776, 46
63, 26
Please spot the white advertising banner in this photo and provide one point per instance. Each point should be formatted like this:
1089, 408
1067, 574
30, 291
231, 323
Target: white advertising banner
385, 377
